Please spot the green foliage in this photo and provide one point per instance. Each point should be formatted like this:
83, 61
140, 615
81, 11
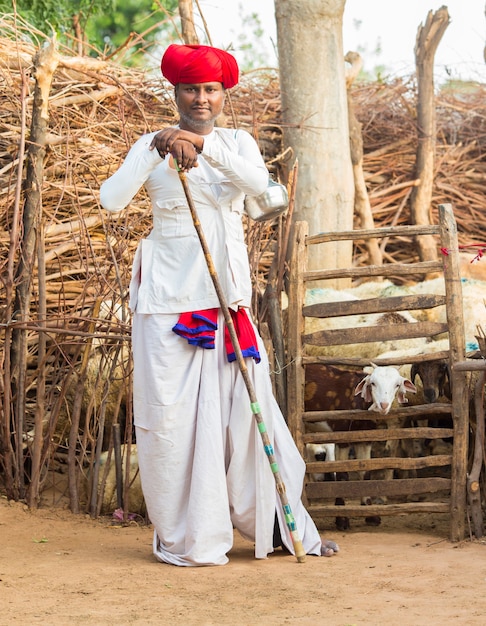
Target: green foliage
110, 30
57, 15
104, 24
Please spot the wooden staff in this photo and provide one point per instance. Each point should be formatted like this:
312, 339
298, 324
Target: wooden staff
255, 407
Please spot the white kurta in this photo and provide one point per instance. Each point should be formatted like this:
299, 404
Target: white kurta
202, 461
170, 274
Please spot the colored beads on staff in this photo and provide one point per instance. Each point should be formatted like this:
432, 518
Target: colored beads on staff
255, 408
269, 449
289, 518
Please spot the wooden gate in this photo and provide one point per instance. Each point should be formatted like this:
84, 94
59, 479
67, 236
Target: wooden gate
439, 481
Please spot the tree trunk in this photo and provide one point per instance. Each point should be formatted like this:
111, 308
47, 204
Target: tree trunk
313, 92
362, 204
189, 34
428, 38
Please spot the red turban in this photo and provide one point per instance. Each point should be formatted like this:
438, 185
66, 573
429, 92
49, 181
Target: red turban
199, 64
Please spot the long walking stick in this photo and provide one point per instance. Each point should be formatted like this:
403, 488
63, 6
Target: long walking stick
255, 407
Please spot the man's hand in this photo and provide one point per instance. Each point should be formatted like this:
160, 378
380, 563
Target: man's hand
181, 144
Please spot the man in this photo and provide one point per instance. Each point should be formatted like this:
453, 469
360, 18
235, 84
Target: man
202, 464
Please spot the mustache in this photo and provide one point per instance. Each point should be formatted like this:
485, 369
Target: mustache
196, 123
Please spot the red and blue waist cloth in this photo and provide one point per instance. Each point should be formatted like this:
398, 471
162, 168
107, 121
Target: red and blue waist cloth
199, 328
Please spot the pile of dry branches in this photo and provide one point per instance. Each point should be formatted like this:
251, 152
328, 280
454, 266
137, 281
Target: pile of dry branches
388, 117
84, 255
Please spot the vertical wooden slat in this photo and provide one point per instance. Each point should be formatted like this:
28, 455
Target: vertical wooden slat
460, 403
295, 321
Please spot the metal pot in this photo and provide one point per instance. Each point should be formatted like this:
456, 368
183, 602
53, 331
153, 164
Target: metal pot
269, 204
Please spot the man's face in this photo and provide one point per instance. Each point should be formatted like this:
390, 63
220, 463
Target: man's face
199, 105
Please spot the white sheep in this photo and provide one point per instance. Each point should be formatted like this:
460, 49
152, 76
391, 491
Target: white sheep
321, 452
473, 299
136, 501
382, 385
437, 389
474, 311
431, 347
368, 350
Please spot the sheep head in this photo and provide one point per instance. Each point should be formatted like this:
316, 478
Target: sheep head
381, 385
435, 377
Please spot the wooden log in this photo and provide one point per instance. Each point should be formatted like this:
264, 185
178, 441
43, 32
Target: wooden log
366, 334
372, 305
434, 408
378, 463
460, 400
386, 231
473, 484
356, 510
83, 64
277, 350
391, 269
93, 96
389, 190
386, 434
73, 226
118, 465
40, 412
295, 371
360, 362
375, 488
362, 205
429, 36
470, 366
44, 66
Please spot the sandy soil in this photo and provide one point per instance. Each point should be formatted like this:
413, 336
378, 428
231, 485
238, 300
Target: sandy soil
58, 568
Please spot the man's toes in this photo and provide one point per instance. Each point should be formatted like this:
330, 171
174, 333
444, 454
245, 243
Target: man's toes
329, 547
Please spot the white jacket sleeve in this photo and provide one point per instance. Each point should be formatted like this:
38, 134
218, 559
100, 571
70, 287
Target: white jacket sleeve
118, 190
246, 169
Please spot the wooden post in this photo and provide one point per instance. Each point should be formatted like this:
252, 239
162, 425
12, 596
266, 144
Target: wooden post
118, 467
362, 205
428, 38
473, 479
274, 313
45, 63
295, 370
460, 400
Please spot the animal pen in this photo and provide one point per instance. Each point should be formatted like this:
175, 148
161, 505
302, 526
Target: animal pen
438, 481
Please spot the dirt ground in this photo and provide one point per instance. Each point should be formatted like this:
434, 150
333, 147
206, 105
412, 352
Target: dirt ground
59, 568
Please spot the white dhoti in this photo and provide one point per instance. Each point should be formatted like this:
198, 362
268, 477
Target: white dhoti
203, 467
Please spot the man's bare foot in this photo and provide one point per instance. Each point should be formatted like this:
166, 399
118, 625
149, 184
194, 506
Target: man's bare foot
329, 548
